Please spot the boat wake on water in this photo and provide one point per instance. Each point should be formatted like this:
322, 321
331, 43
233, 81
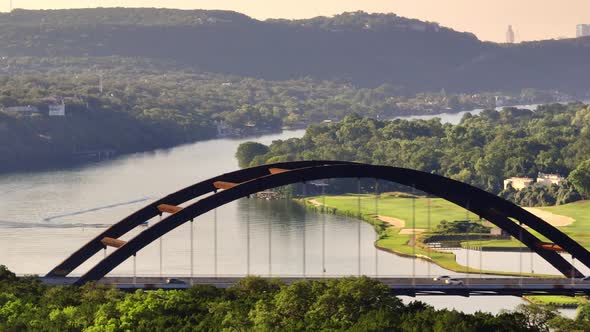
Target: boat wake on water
105, 207
15, 224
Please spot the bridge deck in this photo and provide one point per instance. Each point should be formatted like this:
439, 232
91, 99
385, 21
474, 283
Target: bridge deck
398, 286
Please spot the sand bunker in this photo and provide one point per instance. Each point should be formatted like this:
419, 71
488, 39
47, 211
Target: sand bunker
315, 202
410, 231
398, 223
552, 218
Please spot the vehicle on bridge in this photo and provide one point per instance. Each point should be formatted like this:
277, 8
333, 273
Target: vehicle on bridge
441, 278
174, 281
454, 282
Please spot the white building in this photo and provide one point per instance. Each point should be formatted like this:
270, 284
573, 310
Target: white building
518, 183
57, 110
548, 179
582, 30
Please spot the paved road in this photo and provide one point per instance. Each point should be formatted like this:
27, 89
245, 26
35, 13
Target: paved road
398, 286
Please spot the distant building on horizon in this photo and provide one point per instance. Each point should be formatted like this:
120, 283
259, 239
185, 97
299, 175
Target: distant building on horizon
510, 35
582, 30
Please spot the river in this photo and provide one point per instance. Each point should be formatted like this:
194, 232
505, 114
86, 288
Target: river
45, 216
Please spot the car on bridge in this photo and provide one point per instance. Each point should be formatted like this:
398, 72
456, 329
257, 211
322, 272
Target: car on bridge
441, 278
454, 282
174, 281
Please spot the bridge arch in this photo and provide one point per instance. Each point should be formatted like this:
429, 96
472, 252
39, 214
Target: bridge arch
179, 197
496, 210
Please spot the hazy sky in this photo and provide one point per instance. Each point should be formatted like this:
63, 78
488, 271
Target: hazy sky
488, 19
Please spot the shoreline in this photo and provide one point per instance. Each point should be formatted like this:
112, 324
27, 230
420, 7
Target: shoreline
443, 259
61, 164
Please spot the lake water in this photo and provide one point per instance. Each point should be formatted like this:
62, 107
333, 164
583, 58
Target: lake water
45, 216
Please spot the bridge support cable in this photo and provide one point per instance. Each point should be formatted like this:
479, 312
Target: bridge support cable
269, 247
428, 203
248, 238
192, 248
377, 229
215, 242
324, 230
303, 228
160, 241
532, 260
520, 256
134, 269
574, 265
414, 243
480, 247
358, 231
467, 250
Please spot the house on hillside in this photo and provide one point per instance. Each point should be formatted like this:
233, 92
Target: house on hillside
57, 109
549, 179
518, 183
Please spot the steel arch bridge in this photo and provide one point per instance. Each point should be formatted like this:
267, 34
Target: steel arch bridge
243, 183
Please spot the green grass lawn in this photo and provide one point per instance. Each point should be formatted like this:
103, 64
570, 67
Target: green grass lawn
401, 208
557, 301
391, 205
580, 229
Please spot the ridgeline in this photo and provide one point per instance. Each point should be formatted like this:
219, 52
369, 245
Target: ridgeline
365, 49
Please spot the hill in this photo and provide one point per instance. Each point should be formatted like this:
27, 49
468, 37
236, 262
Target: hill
364, 49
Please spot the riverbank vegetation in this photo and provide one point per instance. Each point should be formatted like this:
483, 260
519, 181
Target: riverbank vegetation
137, 104
481, 150
557, 301
348, 304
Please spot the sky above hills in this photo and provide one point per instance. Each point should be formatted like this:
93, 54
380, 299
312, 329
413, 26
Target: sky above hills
488, 19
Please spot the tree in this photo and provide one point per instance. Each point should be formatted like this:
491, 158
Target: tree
537, 317
580, 178
6, 274
248, 151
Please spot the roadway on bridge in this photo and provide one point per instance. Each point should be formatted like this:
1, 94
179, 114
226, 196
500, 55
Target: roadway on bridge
398, 286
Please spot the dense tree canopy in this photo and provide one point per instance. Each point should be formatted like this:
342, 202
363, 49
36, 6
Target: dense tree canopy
348, 304
580, 177
482, 150
247, 151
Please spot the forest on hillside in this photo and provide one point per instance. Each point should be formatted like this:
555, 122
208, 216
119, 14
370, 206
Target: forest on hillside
364, 49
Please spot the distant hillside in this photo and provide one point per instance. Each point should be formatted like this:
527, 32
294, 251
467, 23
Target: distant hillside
366, 49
